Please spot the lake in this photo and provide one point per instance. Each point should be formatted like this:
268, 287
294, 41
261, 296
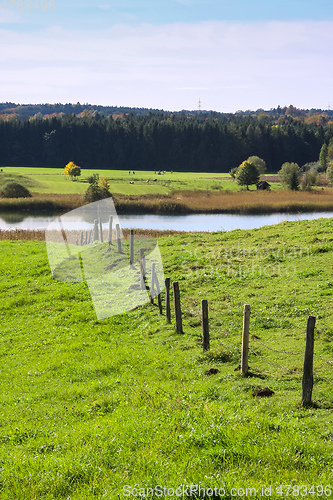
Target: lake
197, 222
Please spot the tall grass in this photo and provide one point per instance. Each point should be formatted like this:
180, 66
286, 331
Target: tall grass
42, 202
246, 202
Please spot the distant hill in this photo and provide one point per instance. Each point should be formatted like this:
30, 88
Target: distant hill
25, 111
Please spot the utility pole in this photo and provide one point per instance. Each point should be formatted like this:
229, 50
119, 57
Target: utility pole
199, 105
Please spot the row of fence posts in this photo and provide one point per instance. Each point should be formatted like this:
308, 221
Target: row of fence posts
307, 381
97, 234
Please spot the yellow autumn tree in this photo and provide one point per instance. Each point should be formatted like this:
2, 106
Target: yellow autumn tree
104, 183
73, 171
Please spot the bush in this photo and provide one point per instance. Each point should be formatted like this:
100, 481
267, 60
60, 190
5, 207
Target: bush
14, 190
97, 190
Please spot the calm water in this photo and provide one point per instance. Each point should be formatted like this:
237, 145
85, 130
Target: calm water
199, 222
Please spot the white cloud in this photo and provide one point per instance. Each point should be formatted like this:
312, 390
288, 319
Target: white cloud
10, 16
232, 65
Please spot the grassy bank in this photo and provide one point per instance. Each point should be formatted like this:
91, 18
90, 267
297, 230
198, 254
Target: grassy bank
88, 407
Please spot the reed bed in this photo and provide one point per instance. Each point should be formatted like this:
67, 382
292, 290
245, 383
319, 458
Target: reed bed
22, 234
43, 202
39, 235
246, 202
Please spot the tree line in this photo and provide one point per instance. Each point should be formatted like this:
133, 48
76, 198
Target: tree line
206, 142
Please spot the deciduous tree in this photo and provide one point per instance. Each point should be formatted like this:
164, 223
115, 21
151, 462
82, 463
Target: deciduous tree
289, 175
73, 171
329, 172
259, 163
323, 156
247, 174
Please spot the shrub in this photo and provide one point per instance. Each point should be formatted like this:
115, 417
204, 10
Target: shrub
14, 190
97, 189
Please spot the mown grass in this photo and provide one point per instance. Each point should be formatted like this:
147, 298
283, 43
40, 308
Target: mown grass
90, 406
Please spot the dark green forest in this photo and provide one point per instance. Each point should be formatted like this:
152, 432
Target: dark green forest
157, 140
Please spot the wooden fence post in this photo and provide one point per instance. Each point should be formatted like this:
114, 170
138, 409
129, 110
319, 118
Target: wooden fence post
205, 325
245, 341
81, 239
158, 290
131, 247
159, 298
118, 238
178, 312
167, 300
152, 282
110, 229
307, 382
100, 229
142, 269
95, 236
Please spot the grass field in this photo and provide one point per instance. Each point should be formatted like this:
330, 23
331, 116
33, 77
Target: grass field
91, 409
47, 180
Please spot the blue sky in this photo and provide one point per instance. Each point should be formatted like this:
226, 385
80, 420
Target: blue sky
168, 53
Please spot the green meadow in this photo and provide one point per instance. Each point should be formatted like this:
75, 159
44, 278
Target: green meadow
107, 408
53, 180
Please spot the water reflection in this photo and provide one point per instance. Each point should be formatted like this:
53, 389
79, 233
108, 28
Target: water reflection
197, 222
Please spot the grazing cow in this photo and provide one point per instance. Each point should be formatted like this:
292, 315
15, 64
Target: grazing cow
154, 180
147, 181
131, 182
